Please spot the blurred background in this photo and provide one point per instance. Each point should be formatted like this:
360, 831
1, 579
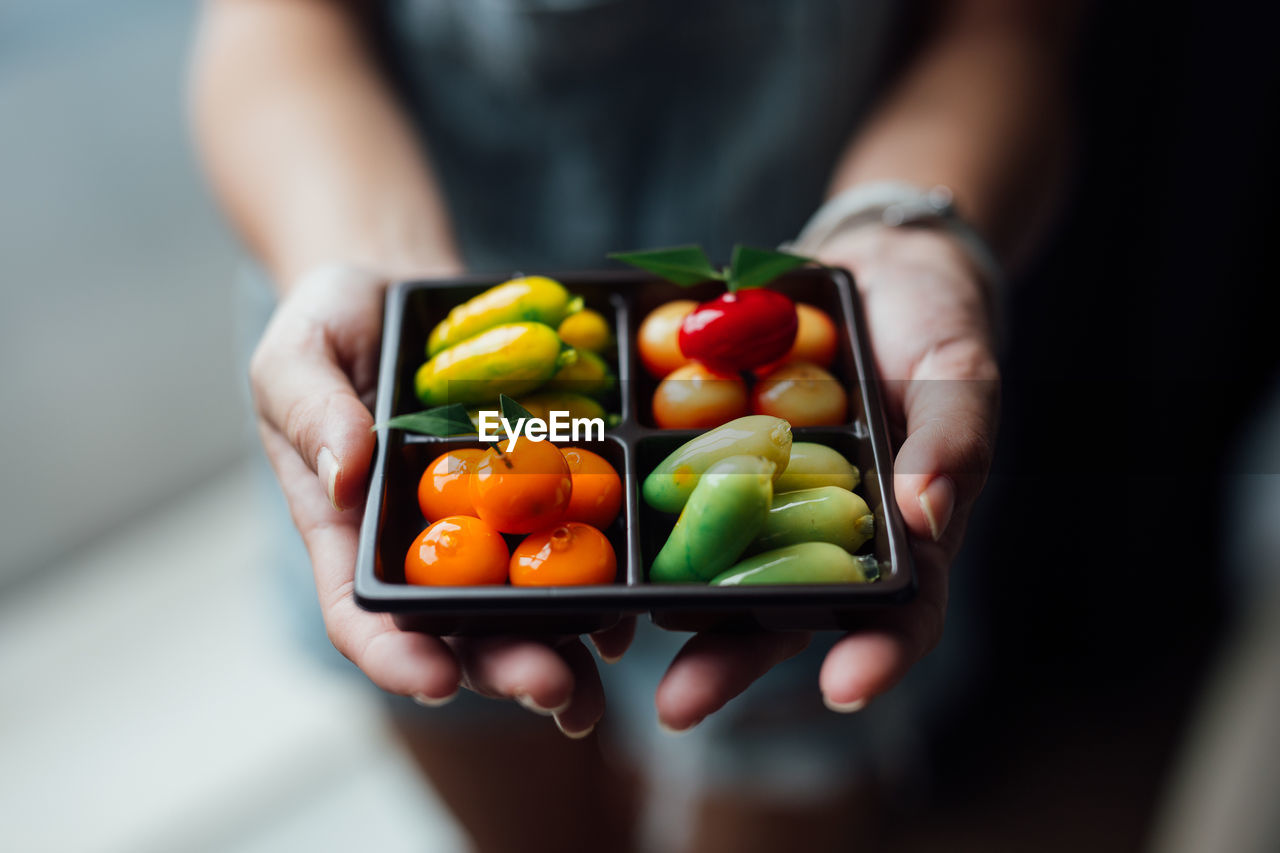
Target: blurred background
1127, 560
153, 697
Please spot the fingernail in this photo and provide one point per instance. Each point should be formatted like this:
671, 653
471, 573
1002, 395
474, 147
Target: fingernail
327, 468
609, 658
527, 701
433, 701
572, 734
672, 730
844, 707
937, 501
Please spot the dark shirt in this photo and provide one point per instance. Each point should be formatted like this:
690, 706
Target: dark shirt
565, 129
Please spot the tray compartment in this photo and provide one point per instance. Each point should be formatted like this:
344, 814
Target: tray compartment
402, 519
423, 307
654, 526
815, 287
694, 607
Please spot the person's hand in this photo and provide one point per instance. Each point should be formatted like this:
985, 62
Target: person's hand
928, 317
314, 376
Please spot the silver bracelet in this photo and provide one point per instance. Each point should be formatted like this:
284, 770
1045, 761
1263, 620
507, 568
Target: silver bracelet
895, 203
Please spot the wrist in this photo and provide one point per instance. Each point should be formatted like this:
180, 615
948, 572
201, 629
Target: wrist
871, 250
358, 273
420, 262
928, 266
896, 205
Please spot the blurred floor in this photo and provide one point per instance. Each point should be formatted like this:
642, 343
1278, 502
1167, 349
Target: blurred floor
153, 701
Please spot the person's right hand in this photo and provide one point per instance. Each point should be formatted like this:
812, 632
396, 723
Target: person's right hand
928, 315
314, 376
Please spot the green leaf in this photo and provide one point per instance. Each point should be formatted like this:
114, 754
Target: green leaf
511, 410
440, 421
757, 267
682, 265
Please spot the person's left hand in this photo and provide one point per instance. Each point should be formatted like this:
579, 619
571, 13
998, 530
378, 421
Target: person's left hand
313, 377
929, 320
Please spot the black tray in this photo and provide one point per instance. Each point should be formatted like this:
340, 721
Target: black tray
634, 447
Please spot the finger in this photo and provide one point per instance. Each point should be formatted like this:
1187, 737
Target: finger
952, 406
862, 666
530, 672
405, 663
303, 395
614, 641
586, 707
401, 662
865, 664
302, 391
711, 669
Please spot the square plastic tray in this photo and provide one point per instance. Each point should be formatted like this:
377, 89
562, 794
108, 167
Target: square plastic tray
634, 447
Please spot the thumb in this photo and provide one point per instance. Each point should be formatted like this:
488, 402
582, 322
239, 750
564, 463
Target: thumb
301, 390
952, 407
